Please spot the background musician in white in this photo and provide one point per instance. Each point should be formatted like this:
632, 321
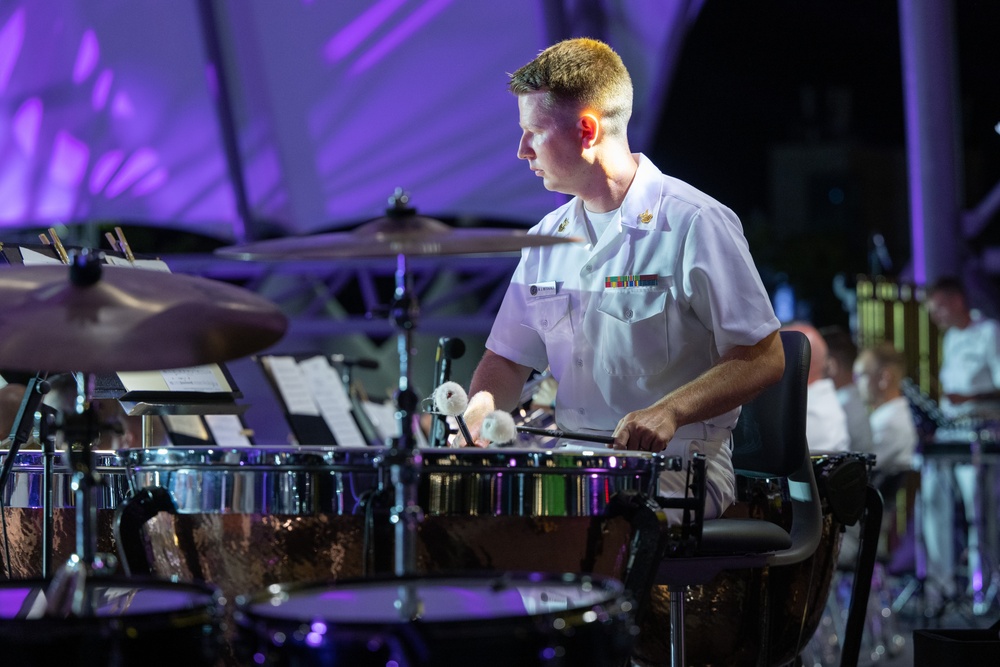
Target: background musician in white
970, 390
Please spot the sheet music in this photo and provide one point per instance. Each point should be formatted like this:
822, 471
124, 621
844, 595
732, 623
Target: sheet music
33, 258
334, 405
227, 430
195, 378
292, 385
189, 425
383, 418
151, 264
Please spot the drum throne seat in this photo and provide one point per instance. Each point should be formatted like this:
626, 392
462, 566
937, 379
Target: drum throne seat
768, 441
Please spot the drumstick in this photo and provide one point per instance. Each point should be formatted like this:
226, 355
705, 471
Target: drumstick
112, 241
124, 245
568, 435
59, 246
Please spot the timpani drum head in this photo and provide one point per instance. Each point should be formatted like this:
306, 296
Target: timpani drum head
504, 620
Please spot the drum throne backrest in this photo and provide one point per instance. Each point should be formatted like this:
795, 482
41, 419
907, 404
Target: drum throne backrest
769, 438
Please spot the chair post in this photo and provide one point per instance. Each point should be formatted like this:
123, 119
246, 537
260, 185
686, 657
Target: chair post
676, 624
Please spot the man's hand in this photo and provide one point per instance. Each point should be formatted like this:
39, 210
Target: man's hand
647, 430
480, 405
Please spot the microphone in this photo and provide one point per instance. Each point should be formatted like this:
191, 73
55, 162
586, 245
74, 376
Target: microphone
448, 349
362, 362
499, 428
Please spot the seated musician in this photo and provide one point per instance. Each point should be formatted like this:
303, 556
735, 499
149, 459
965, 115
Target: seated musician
879, 373
840, 357
970, 390
826, 421
656, 325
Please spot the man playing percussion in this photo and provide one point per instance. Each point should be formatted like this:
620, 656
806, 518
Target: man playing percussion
656, 326
970, 390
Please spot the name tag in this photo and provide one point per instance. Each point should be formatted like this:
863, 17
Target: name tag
542, 289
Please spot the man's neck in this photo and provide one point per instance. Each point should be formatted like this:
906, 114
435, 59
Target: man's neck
609, 192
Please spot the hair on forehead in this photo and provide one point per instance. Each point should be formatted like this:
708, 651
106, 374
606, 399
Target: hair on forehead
580, 73
886, 356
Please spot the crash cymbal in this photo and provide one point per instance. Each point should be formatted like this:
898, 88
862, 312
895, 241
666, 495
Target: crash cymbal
400, 232
110, 319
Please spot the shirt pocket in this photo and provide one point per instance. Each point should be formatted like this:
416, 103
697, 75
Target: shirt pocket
548, 316
634, 332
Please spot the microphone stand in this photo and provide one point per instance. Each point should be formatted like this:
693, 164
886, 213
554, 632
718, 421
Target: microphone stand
368, 430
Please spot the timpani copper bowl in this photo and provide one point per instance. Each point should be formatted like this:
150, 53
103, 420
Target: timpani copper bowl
23, 504
246, 518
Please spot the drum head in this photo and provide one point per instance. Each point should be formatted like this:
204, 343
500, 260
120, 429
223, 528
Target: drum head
482, 620
133, 622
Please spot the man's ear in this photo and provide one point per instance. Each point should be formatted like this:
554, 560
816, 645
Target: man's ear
590, 129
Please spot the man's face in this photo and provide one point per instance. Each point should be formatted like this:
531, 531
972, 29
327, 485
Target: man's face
945, 309
551, 143
866, 378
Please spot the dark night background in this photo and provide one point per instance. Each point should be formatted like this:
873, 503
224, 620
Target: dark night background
760, 79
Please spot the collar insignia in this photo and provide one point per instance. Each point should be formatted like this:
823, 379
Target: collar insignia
562, 225
645, 216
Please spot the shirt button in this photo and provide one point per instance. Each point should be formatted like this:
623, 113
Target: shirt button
588, 268
628, 314
545, 323
581, 411
579, 362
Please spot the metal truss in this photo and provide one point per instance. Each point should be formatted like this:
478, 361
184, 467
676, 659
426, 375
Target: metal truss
456, 295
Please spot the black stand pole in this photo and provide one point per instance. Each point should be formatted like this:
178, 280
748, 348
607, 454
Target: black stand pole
46, 435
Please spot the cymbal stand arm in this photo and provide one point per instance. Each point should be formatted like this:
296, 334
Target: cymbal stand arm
404, 457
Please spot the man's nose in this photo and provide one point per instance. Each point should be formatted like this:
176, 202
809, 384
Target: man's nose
523, 150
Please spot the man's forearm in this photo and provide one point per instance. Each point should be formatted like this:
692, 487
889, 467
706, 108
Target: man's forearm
501, 377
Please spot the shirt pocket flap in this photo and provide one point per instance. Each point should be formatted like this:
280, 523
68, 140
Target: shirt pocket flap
544, 314
633, 306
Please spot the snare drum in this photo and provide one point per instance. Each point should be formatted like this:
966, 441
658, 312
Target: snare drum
248, 518
23, 503
148, 623
719, 629
505, 620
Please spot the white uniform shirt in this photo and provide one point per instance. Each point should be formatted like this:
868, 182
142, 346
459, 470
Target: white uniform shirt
894, 435
826, 423
970, 364
667, 289
859, 430
616, 345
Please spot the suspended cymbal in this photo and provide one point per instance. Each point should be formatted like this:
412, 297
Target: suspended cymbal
401, 232
127, 320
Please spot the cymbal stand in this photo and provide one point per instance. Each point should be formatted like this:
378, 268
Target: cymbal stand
403, 457
68, 594
79, 427
46, 436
